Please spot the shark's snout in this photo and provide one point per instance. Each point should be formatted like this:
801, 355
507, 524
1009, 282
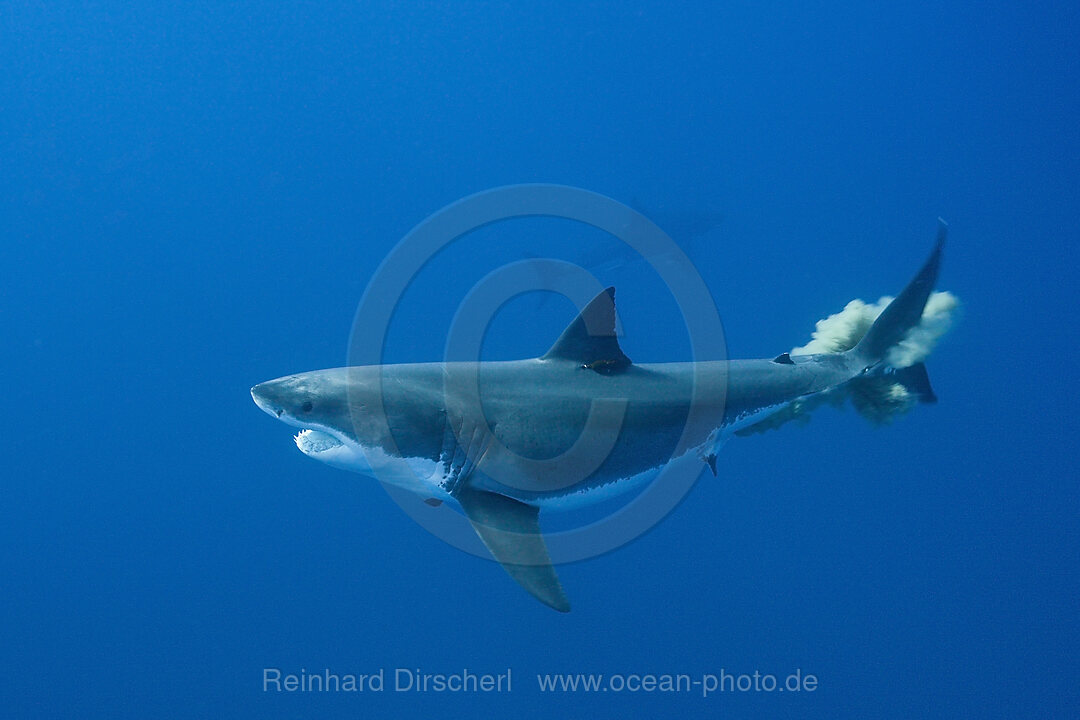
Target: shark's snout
294, 400
263, 396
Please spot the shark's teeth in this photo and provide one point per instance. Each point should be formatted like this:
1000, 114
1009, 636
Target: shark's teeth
312, 442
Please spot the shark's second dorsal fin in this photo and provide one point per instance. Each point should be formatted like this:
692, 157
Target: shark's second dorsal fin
591, 339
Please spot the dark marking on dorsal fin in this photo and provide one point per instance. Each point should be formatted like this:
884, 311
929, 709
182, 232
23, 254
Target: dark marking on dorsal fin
433, 502
783, 359
606, 367
591, 339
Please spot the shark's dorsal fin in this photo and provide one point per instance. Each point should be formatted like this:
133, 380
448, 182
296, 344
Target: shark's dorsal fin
591, 339
510, 529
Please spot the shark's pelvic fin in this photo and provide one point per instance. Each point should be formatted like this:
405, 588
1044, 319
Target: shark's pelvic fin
511, 531
591, 339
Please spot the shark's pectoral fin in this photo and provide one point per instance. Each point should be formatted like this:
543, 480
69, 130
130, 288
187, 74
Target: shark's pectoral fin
511, 531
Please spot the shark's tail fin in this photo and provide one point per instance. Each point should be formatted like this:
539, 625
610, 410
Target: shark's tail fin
903, 314
888, 342
891, 352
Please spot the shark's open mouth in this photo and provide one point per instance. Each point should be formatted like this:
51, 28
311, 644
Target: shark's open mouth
313, 442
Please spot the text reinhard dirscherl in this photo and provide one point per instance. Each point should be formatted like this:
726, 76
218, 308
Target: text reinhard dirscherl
414, 680
382, 680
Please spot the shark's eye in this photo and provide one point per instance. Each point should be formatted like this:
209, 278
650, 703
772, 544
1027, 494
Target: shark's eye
306, 407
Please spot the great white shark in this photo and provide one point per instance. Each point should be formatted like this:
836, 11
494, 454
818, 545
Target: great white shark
519, 451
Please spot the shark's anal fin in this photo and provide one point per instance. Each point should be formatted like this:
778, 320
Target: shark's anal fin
591, 340
511, 531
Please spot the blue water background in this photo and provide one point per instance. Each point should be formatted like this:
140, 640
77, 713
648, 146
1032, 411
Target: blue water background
194, 195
